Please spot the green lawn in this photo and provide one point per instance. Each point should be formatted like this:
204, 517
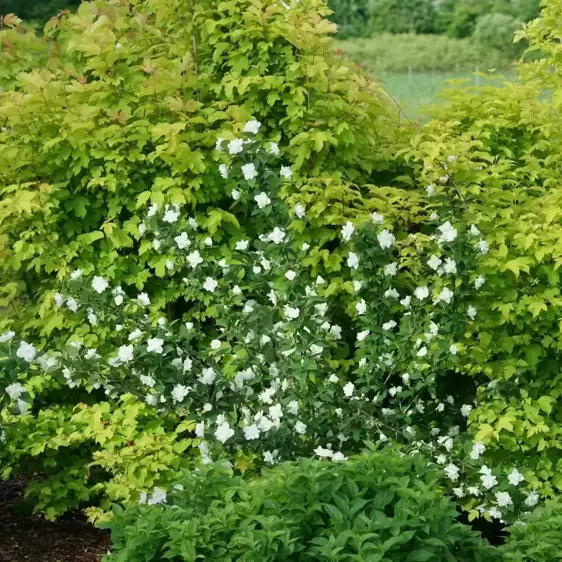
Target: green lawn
421, 89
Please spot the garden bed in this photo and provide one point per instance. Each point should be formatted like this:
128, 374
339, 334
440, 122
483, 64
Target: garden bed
25, 537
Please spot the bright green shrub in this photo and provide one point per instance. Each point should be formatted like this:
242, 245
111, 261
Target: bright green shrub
396, 53
496, 31
351, 16
537, 537
381, 507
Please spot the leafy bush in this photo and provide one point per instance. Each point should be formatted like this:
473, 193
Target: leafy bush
496, 31
351, 16
402, 16
537, 537
396, 53
382, 507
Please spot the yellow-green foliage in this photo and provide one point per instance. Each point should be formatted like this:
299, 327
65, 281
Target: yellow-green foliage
130, 110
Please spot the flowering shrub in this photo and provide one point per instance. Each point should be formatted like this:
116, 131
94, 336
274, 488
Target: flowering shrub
380, 507
273, 365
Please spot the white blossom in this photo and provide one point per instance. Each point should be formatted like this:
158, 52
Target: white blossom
347, 231
15, 390
450, 266
290, 275
361, 307
143, 299
446, 295
532, 499
286, 172
179, 392
276, 236
483, 246
406, 301
158, 497
503, 499
249, 172
477, 450
235, 146
152, 210
300, 428
235, 194
251, 432
387, 326
391, 294
377, 218
125, 353
252, 126
515, 477
200, 430
171, 215
338, 457
488, 479
430, 190
479, 281
323, 453
224, 432
156, 244
349, 389
291, 313
362, 335
386, 239
474, 230
315, 350
434, 262
182, 241
210, 284
353, 260
99, 284
465, 410
218, 145
422, 352
26, 351
452, 472
421, 293
76, 274
472, 312
300, 211
391, 269
7, 336
274, 148
448, 232
207, 376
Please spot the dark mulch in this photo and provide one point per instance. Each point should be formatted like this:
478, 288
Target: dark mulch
24, 537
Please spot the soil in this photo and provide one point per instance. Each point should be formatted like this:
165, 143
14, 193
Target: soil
28, 538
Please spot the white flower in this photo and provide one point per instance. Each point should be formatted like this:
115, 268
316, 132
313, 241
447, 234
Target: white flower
472, 312
208, 241
7, 336
118, 300
488, 479
210, 284
156, 244
293, 407
338, 457
291, 313
276, 236
347, 231
357, 286
286, 172
422, 352
349, 389
474, 230
477, 450
270, 456
235, 194
333, 378
394, 390
452, 472
483, 246
242, 245
421, 293
450, 266
155, 345
446, 295
377, 219
386, 239
171, 215
235, 146
218, 145
59, 299
274, 148
142, 228
249, 172
391, 294
434, 262
321, 308
391, 269
441, 459
224, 432
515, 477
290, 275
251, 432
207, 376
26, 351
99, 284
387, 326
316, 350
252, 126
143, 299
465, 410
361, 307
320, 280
353, 260
362, 335
158, 497
503, 499
406, 301
336, 331
179, 393
448, 232
182, 241
532, 499
434, 216
135, 334
479, 281
430, 190
215, 344
15, 390
125, 353
300, 428
323, 453
147, 381
200, 430
453, 349
152, 210
305, 247
76, 274
300, 211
